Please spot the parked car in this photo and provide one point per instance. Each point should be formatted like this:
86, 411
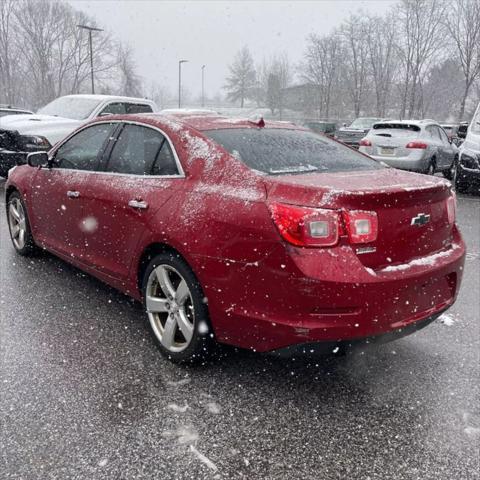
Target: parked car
256, 234
21, 134
356, 131
415, 145
466, 170
318, 126
9, 110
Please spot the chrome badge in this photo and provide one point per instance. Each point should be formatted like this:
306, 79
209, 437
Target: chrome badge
420, 220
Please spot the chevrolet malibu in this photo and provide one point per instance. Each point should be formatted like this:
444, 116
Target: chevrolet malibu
260, 235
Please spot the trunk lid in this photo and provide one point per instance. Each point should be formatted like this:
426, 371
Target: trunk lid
396, 196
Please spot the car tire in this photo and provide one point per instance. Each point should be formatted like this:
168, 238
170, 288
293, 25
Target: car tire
177, 310
448, 173
19, 226
432, 167
458, 182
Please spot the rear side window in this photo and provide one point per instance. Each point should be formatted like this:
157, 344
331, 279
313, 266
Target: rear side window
137, 108
142, 151
283, 151
114, 109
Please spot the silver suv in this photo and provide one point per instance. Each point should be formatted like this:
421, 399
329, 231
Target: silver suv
416, 145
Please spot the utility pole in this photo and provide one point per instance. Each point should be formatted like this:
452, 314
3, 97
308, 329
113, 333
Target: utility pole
180, 82
90, 30
203, 85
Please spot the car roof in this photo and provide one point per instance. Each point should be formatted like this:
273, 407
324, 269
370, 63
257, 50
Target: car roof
110, 97
418, 123
203, 122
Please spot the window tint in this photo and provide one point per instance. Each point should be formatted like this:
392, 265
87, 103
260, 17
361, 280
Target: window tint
82, 151
280, 151
114, 109
142, 151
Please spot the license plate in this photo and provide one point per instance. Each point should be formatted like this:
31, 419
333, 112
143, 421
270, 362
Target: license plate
387, 150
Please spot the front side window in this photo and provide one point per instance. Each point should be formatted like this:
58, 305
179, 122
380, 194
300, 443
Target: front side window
83, 150
142, 151
285, 151
116, 108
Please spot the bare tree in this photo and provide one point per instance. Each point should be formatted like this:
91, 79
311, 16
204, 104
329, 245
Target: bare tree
420, 41
382, 58
130, 82
273, 76
43, 54
241, 80
8, 52
354, 35
463, 25
321, 68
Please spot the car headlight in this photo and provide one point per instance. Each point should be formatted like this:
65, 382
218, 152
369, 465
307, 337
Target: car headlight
34, 143
470, 159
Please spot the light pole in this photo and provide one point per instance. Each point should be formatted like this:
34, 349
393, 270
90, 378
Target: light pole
180, 82
90, 30
203, 85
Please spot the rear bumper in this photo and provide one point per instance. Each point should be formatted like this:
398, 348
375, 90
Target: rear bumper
9, 159
411, 163
331, 297
345, 345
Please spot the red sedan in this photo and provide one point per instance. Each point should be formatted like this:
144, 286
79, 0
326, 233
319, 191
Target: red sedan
256, 235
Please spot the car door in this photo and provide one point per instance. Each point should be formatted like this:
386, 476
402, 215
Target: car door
138, 177
61, 195
434, 143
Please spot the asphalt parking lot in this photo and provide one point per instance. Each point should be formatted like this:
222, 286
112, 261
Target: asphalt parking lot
84, 393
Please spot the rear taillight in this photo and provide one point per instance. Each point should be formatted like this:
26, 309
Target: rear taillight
307, 227
362, 227
419, 145
364, 142
318, 227
452, 208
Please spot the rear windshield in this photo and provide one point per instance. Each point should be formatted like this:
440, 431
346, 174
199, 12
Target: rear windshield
395, 130
283, 151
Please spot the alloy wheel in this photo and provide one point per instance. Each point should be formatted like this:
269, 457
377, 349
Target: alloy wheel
17, 223
170, 308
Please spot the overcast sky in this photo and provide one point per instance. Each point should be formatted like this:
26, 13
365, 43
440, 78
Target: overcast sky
211, 32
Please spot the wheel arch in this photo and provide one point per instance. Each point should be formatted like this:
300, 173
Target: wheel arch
150, 251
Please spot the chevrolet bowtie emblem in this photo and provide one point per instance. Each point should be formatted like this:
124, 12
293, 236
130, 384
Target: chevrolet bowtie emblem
420, 219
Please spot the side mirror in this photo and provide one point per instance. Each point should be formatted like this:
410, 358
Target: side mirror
38, 159
344, 124
105, 114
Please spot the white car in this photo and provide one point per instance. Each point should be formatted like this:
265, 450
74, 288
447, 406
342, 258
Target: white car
21, 134
415, 145
466, 169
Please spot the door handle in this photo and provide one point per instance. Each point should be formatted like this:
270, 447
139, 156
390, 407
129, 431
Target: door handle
140, 204
73, 194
